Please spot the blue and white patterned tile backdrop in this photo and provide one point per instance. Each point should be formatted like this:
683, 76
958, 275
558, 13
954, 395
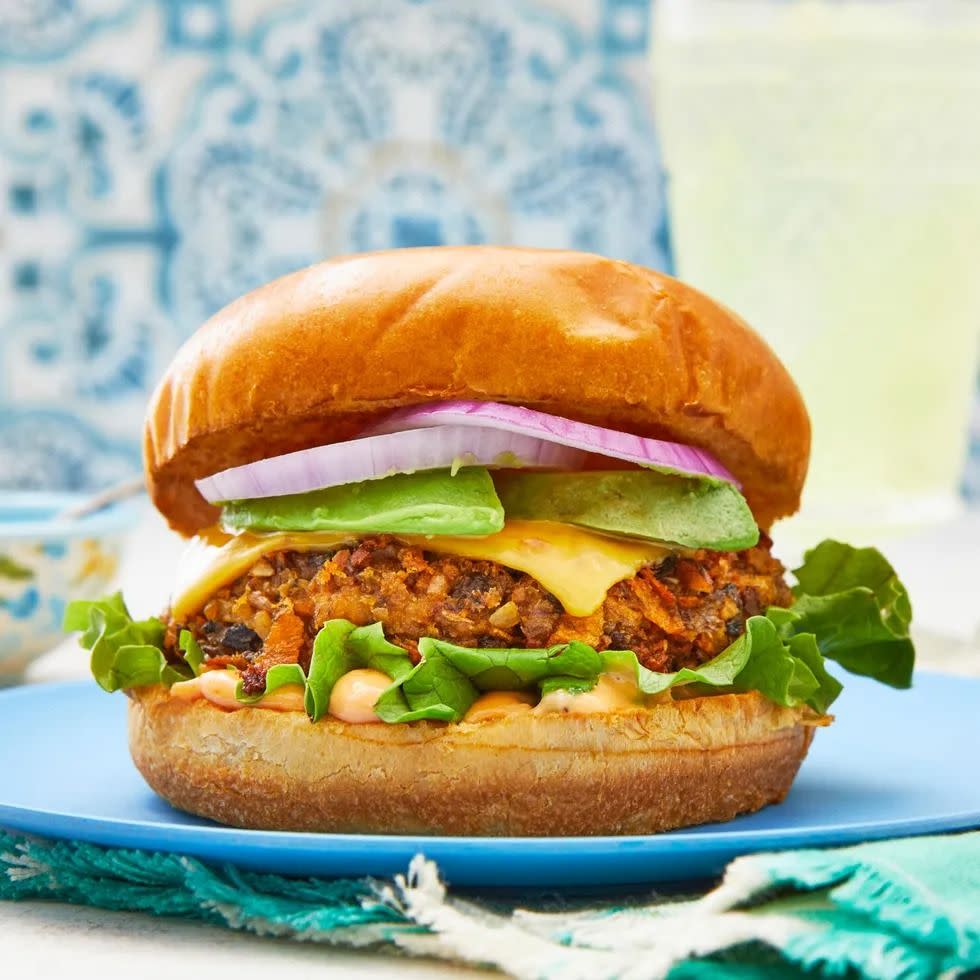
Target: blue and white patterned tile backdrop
160, 157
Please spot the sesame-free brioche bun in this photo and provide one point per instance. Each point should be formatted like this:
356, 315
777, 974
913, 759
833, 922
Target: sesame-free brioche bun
637, 771
315, 356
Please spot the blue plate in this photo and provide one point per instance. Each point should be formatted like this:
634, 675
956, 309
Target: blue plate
894, 763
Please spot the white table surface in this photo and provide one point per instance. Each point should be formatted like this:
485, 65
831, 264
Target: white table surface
39, 939
47, 939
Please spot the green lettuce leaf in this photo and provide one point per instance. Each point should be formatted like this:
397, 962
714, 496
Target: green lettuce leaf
433, 690
277, 676
450, 678
193, 654
340, 647
124, 652
719, 672
371, 649
574, 685
833, 567
330, 661
851, 608
789, 673
851, 629
852, 602
500, 669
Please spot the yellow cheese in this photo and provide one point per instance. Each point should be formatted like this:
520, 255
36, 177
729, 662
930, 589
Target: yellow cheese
577, 566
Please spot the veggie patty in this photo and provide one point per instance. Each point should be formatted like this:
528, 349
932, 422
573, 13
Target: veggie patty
679, 612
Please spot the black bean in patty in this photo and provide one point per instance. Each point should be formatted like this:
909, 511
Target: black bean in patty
239, 637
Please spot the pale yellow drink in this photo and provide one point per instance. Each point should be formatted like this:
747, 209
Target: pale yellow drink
824, 181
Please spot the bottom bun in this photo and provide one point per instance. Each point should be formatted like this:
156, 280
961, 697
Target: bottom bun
630, 772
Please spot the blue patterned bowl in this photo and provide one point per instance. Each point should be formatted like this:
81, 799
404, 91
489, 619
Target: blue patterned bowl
45, 563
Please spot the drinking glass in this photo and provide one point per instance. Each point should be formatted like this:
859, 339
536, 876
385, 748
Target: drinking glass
823, 162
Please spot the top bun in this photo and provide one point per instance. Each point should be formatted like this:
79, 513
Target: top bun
317, 355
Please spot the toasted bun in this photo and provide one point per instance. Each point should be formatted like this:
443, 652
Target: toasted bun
313, 357
636, 772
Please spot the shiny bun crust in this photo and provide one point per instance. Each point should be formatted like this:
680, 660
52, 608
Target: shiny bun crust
314, 356
674, 765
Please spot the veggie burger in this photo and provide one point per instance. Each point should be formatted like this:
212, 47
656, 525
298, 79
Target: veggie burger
479, 545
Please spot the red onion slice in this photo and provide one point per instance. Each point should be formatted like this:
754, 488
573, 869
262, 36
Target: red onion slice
384, 455
673, 457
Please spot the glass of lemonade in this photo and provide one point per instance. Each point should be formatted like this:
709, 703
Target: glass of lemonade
823, 160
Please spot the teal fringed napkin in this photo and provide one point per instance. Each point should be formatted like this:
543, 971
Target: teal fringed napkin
889, 910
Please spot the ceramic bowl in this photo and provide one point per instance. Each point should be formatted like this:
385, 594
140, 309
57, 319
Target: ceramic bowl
45, 563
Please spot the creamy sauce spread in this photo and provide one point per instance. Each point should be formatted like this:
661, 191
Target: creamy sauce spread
497, 704
352, 699
219, 686
612, 692
354, 696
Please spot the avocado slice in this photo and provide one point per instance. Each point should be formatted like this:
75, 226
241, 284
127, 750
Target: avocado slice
429, 502
691, 512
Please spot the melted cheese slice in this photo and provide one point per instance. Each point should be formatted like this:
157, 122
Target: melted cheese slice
577, 566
